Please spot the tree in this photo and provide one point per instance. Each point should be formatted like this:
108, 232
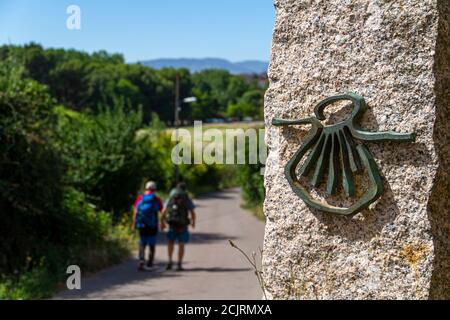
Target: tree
30, 175
216, 89
249, 105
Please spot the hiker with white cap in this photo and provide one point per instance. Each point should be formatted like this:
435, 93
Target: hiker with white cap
145, 218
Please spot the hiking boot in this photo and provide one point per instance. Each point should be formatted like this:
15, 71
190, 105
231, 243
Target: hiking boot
180, 267
141, 266
169, 266
147, 268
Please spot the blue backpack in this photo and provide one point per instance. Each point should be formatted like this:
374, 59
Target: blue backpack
147, 212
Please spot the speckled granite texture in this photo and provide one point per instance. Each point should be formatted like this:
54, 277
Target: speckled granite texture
396, 55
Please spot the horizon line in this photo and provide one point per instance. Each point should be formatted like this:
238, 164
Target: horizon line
8, 42
204, 58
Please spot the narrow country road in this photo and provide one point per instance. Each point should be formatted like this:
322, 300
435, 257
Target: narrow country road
214, 270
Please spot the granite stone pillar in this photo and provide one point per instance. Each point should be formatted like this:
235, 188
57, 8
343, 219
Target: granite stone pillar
395, 54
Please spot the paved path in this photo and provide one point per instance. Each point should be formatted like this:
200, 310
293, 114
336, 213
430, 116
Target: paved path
214, 270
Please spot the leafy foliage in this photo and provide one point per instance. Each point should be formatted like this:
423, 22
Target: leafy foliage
101, 155
251, 181
47, 224
82, 81
30, 195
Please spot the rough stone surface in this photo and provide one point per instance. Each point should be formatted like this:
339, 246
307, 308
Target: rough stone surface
396, 55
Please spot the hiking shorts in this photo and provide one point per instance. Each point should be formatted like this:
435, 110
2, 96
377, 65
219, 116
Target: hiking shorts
180, 235
148, 236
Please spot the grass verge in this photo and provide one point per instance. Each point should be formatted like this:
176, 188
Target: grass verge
43, 280
257, 211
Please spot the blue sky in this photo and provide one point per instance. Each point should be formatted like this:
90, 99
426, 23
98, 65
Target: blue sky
146, 29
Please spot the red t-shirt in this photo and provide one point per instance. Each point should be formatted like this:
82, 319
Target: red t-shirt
139, 198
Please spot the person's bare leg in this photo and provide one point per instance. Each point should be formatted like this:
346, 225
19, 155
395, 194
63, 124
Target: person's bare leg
170, 247
180, 255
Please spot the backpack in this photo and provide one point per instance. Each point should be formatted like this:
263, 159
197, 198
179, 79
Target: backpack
147, 212
177, 213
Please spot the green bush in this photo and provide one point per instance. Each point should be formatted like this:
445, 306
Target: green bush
47, 224
102, 156
38, 283
30, 175
251, 181
201, 178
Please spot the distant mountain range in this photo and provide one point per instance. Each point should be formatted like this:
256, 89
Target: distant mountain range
195, 65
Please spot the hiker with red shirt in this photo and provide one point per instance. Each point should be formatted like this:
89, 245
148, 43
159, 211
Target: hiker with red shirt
145, 218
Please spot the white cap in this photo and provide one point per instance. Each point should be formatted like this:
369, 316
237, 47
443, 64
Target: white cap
151, 185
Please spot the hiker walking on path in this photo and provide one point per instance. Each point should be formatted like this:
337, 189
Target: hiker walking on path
178, 207
220, 271
145, 218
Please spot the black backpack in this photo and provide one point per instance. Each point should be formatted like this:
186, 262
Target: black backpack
177, 213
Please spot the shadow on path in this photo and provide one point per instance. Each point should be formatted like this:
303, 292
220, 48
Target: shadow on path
127, 274
199, 238
216, 269
123, 274
225, 194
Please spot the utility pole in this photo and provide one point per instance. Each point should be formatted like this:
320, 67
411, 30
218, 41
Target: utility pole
177, 119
